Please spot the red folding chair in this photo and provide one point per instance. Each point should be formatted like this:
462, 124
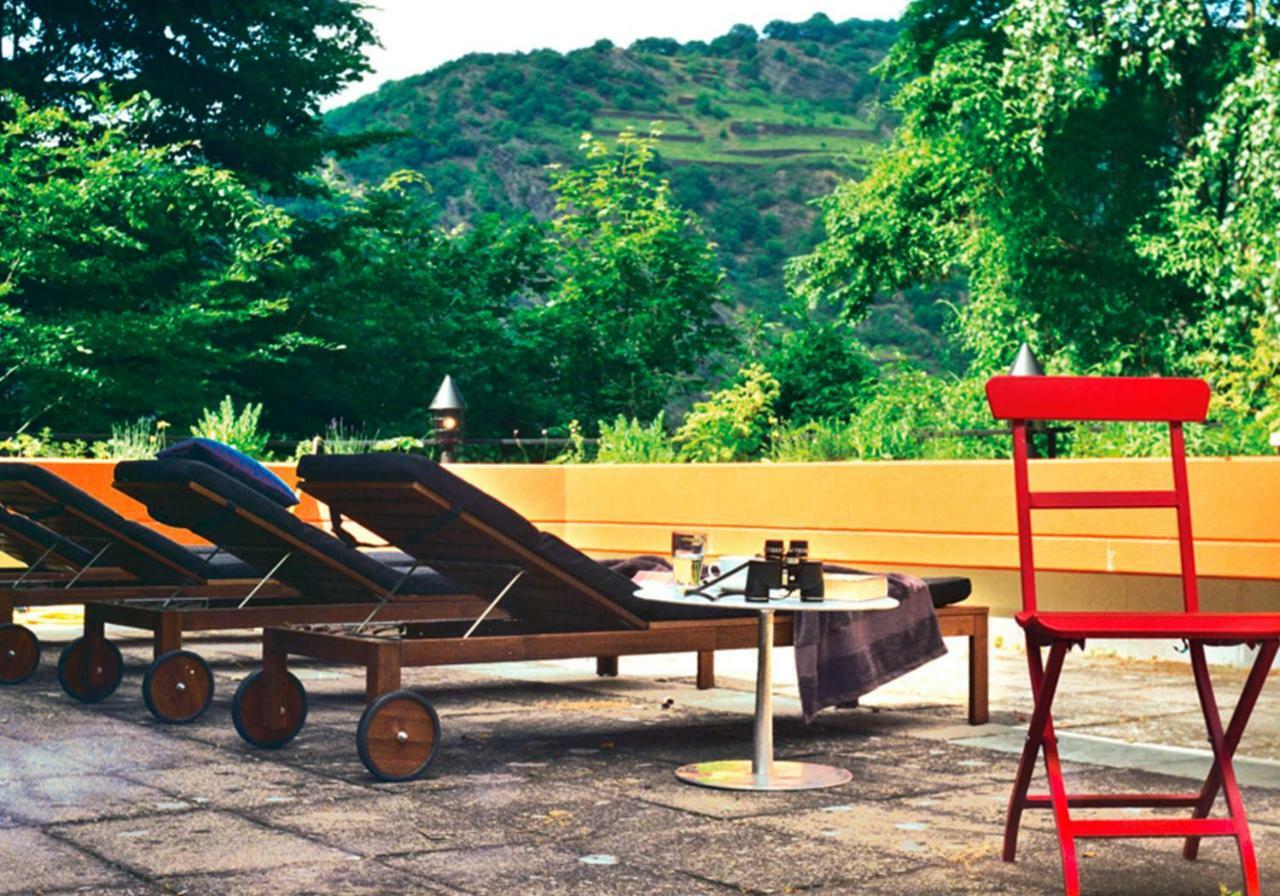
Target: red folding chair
1023, 400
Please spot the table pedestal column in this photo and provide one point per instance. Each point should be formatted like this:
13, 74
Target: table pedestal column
761, 772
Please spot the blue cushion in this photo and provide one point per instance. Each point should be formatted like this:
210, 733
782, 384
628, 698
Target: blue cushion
236, 464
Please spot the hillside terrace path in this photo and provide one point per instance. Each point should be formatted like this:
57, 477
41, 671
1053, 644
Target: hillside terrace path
550, 780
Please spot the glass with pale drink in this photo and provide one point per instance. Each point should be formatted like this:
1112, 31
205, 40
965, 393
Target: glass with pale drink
687, 552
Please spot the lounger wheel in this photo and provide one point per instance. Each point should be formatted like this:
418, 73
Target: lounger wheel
90, 674
398, 735
178, 687
19, 653
269, 727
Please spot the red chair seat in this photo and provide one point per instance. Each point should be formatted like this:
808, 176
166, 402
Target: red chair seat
1236, 627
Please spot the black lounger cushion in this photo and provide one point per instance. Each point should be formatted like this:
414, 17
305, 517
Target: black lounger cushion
389, 467
66, 495
43, 536
212, 527
948, 590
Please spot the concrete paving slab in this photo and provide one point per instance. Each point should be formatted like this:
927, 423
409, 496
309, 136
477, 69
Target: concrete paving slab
83, 797
1155, 758
352, 877
196, 842
509, 811
19, 760
243, 782
552, 871
31, 860
751, 856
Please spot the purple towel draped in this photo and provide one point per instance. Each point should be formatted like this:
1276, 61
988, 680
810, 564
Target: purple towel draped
841, 656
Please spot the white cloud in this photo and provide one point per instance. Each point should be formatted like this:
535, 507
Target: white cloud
418, 35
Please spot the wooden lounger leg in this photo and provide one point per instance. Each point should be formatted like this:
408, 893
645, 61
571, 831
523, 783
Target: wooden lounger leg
94, 627
167, 634
706, 670
268, 711
382, 672
979, 700
607, 666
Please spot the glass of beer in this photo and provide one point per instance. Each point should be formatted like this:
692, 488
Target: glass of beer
687, 552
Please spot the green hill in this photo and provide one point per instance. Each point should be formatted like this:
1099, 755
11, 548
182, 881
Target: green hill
752, 129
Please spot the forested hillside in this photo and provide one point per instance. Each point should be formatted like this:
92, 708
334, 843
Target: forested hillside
752, 127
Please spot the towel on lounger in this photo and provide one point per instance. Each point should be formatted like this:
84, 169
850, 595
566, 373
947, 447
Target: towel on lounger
841, 656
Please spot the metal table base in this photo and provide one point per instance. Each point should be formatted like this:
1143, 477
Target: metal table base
761, 772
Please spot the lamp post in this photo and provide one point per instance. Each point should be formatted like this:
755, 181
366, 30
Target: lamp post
448, 412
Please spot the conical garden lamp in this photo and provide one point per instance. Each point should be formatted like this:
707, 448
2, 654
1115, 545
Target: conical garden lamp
1026, 364
448, 413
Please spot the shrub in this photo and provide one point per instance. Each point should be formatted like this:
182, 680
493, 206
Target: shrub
912, 414
132, 441
240, 431
576, 451
816, 440
734, 423
631, 442
41, 445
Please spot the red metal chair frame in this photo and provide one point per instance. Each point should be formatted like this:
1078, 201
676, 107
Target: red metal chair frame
1022, 401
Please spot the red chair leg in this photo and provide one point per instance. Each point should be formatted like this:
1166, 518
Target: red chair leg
1027, 762
1225, 770
1235, 730
1044, 683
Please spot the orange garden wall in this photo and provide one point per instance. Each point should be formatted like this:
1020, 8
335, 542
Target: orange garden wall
912, 515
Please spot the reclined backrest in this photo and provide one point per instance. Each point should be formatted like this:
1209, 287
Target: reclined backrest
30, 542
192, 495
473, 538
50, 500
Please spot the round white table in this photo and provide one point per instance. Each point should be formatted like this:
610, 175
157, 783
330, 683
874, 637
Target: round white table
761, 772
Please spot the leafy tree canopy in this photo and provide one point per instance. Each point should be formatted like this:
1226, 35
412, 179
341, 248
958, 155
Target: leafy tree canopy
243, 79
389, 301
1073, 158
633, 315
133, 275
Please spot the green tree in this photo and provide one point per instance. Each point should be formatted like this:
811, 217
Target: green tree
387, 301
632, 319
133, 277
1219, 230
243, 79
823, 371
1039, 138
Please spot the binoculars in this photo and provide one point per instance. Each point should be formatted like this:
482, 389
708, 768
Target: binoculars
790, 570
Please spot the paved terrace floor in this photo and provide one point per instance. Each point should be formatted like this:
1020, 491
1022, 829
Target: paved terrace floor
550, 780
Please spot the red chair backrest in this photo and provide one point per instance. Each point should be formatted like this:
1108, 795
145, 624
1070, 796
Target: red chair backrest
1023, 399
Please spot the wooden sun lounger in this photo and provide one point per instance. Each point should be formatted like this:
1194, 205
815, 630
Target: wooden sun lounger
560, 605
307, 575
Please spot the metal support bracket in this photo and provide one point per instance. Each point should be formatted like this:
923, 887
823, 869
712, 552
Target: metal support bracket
385, 598
263, 581
489, 609
84, 569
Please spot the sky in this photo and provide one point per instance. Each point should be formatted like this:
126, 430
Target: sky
418, 35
